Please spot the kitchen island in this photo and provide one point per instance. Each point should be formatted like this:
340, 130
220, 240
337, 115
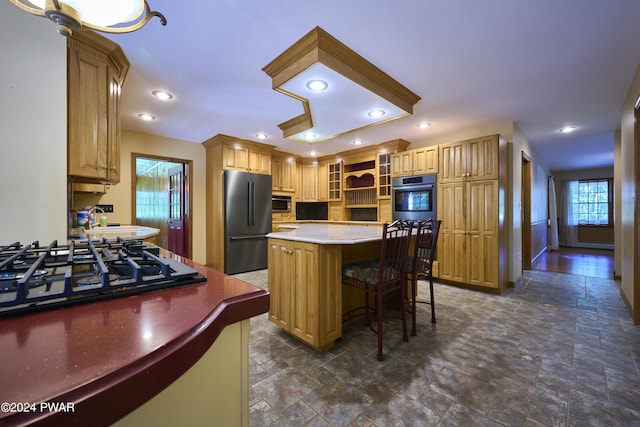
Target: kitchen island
305, 277
173, 357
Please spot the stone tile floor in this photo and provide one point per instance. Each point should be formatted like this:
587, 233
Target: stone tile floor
558, 350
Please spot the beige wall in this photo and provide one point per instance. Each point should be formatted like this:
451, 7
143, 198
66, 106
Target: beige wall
538, 195
628, 173
120, 195
33, 128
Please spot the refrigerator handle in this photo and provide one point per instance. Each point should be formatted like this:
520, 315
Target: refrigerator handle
252, 203
249, 200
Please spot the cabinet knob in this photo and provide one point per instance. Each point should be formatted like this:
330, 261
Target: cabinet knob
104, 166
113, 168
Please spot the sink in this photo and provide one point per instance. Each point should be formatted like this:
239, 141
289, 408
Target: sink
118, 229
125, 231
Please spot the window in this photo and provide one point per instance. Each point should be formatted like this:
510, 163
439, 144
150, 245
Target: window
594, 203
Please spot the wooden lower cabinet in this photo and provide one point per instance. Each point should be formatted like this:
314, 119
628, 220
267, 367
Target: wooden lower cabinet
385, 210
468, 244
305, 287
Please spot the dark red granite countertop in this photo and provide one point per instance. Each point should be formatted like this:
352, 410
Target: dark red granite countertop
107, 358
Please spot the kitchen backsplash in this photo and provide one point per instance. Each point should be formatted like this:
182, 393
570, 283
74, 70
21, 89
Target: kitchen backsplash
312, 211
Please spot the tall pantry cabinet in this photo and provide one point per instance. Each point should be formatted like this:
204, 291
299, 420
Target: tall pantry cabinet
470, 202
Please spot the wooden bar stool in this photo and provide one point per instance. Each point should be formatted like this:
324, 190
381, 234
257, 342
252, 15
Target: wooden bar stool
420, 265
381, 276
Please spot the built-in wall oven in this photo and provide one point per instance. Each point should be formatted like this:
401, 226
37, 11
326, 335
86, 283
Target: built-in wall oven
414, 197
281, 203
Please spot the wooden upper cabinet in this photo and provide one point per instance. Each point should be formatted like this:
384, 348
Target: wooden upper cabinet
323, 182
260, 162
402, 164
425, 160
235, 158
96, 68
473, 159
283, 172
113, 127
314, 186
245, 156
483, 158
334, 181
419, 161
309, 182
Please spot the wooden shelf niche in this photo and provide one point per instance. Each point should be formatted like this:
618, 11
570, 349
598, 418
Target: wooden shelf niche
360, 185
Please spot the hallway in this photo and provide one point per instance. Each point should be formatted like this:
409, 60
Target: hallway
558, 350
587, 262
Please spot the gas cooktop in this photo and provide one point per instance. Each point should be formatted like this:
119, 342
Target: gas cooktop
35, 277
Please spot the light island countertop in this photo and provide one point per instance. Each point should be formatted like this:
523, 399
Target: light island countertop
330, 233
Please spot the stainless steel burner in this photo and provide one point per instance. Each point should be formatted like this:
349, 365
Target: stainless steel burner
83, 271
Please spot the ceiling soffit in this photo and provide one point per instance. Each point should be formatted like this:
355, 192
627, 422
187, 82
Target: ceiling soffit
356, 87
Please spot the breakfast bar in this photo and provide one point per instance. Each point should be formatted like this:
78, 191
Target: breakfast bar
305, 277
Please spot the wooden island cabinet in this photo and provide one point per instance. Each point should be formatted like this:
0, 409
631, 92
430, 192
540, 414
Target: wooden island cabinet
305, 277
304, 281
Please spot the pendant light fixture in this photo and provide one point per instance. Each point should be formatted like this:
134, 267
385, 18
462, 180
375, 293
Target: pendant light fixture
109, 16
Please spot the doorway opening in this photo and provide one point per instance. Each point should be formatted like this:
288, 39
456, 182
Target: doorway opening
526, 211
162, 199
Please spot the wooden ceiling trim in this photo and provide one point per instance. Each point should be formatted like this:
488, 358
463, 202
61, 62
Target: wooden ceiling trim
318, 46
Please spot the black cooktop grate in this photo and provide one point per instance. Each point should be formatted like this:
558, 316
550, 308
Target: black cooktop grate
34, 278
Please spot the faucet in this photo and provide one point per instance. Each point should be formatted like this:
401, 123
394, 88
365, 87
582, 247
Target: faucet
91, 221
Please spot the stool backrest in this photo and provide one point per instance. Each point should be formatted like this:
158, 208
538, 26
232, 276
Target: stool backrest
425, 245
393, 250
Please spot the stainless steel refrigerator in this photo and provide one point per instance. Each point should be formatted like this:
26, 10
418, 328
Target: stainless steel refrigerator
247, 207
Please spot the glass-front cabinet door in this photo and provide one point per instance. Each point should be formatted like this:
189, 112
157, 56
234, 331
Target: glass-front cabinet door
335, 181
384, 176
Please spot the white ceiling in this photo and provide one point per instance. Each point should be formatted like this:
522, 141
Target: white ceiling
543, 64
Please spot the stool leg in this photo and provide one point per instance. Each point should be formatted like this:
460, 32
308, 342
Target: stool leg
379, 320
403, 311
414, 294
433, 304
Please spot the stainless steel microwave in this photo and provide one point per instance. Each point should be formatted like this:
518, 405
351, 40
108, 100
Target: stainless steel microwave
281, 203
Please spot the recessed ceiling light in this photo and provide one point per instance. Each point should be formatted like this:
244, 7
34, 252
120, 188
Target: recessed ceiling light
147, 117
357, 142
313, 153
160, 94
309, 136
376, 113
317, 85
262, 135
567, 129
424, 125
